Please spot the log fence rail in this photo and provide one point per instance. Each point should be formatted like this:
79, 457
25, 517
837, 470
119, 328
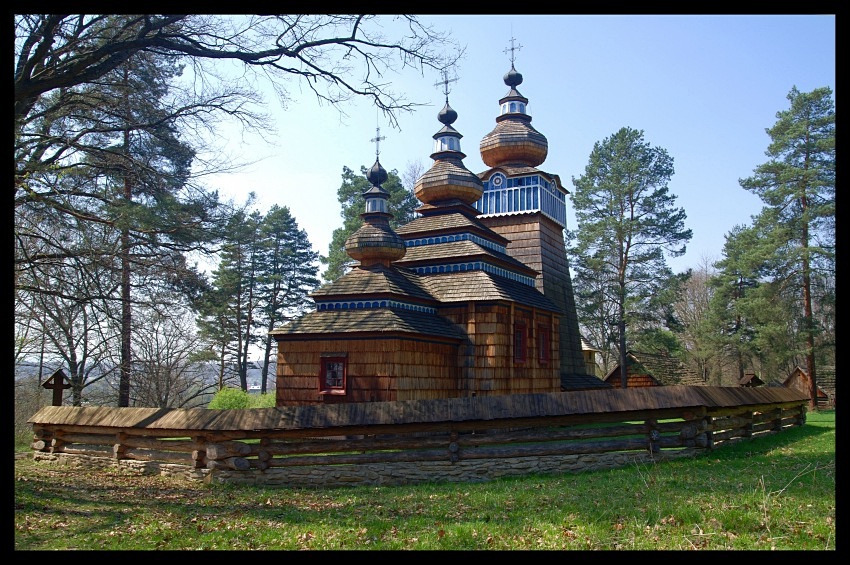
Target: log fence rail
415, 441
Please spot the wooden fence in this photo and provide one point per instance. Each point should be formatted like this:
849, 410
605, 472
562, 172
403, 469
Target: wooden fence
460, 439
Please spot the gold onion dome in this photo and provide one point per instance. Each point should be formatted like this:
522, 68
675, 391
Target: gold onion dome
375, 241
513, 141
448, 178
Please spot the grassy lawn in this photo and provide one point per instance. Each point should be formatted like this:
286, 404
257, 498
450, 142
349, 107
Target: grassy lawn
775, 492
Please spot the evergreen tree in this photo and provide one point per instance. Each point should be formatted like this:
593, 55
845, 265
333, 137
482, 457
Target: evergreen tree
626, 221
738, 273
97, 133
401, 204
235, 285
797, 186
266, 272
288, 274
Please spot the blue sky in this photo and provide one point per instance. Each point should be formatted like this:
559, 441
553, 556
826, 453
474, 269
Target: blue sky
702, 87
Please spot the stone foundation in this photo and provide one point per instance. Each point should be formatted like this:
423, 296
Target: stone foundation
388, 474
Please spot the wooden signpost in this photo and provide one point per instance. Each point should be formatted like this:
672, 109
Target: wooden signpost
57, 383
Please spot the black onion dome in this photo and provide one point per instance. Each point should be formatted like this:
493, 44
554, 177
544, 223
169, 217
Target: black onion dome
447, 115
377, 175
513, 78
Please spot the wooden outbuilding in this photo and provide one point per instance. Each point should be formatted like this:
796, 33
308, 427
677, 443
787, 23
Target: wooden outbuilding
653, 369
471, 298
799, 380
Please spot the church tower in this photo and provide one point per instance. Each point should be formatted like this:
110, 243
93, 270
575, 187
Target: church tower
527, 206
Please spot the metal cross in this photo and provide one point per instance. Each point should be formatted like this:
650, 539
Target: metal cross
512, 49
377, 139
445, 82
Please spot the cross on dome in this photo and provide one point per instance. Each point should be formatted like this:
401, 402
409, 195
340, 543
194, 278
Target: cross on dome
445, 82
512, 48
377, 141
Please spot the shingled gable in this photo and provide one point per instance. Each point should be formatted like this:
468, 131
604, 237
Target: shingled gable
654, 369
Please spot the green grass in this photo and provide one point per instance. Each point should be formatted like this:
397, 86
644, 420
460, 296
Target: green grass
775, 492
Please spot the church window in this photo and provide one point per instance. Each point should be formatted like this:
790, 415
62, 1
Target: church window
543, 345
333, 373
520, 342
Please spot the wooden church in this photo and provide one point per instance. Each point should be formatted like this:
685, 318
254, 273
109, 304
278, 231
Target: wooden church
473, 297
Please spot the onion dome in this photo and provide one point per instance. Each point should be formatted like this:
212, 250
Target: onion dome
448, 178
375, 241
513, 141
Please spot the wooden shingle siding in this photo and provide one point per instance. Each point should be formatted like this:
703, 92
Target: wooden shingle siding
538, 242
378, 369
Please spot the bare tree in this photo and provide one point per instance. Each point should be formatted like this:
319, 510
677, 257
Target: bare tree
693, 311
338, 56
168, 372
90, 141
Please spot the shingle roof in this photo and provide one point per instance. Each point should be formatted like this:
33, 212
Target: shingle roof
382, 320
461, 251
482, 286
581, 382
825, 375
750, 378
445, 223
665, 369
825, 378
376, 280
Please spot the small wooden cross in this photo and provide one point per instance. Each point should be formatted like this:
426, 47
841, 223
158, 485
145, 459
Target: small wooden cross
57, 383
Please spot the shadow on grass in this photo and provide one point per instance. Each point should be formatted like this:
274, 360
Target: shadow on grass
99, 503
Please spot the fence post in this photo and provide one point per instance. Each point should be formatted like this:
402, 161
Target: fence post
119, 447
709, 426
653, 434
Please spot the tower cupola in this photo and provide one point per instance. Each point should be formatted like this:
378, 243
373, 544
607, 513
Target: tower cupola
513, 141
375, 241
448, 179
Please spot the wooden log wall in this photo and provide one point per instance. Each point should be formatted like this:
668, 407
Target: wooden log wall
397, 437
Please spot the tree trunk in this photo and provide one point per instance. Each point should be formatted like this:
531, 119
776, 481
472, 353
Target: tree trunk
126, 314
809, 324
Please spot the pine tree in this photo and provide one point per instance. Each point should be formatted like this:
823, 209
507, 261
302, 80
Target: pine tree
626, 220
797, 186
288, 273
